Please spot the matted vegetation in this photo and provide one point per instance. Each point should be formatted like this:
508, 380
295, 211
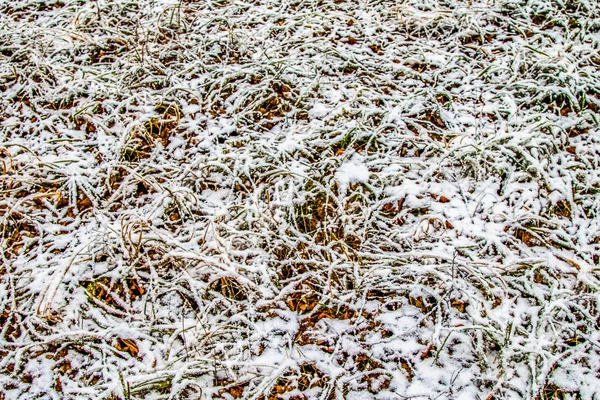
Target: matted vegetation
299, 199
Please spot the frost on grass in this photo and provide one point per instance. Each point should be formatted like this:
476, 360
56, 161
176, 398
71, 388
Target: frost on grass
299, 199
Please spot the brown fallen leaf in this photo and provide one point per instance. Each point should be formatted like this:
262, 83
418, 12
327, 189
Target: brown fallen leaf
427, 353
127, 345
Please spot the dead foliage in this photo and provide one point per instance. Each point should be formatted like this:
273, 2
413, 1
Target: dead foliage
228, 287
551, 391
127, 346
118, 294
143, 139
18, 234
302, 302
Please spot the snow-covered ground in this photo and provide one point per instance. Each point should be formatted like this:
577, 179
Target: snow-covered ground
296, 199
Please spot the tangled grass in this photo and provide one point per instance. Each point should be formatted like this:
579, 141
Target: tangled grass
299, 199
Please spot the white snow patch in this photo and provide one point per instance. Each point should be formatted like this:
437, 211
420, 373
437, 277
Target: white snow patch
351, 170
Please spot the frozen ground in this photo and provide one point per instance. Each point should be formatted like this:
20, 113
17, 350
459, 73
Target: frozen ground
299, 199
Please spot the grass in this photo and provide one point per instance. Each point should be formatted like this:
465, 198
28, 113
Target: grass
174, 223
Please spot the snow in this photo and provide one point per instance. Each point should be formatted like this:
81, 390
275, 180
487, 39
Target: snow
351, 170
233, 199
319, 111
